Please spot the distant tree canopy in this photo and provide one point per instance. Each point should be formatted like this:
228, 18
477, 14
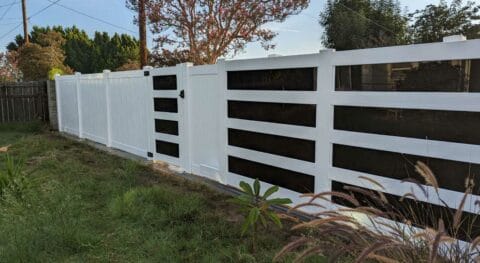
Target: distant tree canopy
35, 60
86, 55
434, 22
354, 24
205, 30
167, 58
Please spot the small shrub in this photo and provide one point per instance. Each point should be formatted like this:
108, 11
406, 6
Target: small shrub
376, 227
257, 208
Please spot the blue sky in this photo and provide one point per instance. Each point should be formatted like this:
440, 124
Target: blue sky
298, 34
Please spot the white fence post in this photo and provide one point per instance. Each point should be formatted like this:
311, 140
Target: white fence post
222, 114
188, 108
150, 109
325, 90
106, 80
185, 151
79, 105
59, 107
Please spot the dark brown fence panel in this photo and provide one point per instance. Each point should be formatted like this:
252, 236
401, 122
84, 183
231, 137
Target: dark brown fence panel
23, 102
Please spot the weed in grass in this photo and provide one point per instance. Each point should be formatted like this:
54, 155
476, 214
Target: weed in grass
12, 179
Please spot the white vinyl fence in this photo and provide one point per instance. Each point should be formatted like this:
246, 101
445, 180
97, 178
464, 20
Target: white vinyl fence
308, 123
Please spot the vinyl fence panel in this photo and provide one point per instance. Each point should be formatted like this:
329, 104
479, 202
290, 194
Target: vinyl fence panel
129, 111
308, 123
67, 105
94, 108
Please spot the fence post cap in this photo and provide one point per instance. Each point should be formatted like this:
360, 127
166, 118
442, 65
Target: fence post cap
454, 38
327, 50
106, 71
78, 73
147, 67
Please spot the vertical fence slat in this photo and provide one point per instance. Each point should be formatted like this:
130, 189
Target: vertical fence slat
23, 102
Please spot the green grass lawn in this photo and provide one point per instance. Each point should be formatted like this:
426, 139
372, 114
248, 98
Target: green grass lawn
83, 205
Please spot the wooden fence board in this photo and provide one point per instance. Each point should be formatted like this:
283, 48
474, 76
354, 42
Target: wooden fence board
23, 102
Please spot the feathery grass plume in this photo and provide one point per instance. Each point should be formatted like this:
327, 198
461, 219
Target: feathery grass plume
289, 218
427, 174
475, 243
308, 252
458, 214
418, 184
435, 244
319, 222
408, 195
370, 193
297, 207
370, 211
379, 185
291, 246
376, 246
313, 197
344, 196
382, 259
399, 230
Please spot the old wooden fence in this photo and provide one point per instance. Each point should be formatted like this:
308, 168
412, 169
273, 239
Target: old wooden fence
24, 101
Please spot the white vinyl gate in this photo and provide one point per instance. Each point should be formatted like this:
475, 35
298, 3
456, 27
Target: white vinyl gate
167, 86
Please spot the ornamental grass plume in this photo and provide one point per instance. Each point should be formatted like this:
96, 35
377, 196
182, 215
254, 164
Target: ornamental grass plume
371, 225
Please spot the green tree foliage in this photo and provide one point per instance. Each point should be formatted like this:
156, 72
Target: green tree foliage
113, 52
354, 24
210, 29
167, 58
129, 65
78, 50
87, 55
434, 22
35, 60
9, 71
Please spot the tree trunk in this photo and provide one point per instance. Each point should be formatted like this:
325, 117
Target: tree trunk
142, 26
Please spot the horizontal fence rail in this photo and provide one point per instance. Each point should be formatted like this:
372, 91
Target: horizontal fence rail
23, 102
308, 123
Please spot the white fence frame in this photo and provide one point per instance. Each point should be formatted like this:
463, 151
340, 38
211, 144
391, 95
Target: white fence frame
325, 98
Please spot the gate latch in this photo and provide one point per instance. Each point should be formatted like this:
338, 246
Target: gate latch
182, 94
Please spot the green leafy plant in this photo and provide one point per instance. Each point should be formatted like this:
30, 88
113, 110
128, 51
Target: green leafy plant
53, 72
12, 179
257, 208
